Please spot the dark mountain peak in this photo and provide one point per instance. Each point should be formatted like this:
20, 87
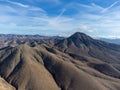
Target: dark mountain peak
76, 40
80, 36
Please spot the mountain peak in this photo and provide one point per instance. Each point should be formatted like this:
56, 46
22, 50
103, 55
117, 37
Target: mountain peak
79, 35
79, 38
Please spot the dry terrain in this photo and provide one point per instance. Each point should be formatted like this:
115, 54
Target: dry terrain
78, 62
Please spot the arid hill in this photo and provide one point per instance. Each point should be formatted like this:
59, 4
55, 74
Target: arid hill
74, 63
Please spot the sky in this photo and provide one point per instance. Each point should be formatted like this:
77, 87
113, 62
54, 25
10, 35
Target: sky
97, 18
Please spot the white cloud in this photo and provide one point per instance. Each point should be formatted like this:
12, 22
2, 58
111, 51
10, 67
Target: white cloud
83, 7
17, 3
97, 24
23, 10
100, 24
112, 5
108, 36
84, 28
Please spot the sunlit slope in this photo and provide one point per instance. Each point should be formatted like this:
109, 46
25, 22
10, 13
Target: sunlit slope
44, 68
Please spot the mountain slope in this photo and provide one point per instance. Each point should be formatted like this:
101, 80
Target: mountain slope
81, 45
70, 64
44, 68
22, 70
87, 49
4, 85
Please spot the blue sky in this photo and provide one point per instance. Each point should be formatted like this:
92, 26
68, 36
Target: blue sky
97, 18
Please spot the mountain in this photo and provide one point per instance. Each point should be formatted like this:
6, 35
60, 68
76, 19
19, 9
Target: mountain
14, 40
116, 41
81, 44
64, 64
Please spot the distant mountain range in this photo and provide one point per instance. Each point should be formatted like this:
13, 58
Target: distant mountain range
78, 62
116, 41
14, 40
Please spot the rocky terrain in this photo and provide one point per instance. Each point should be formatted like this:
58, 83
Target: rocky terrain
78, 62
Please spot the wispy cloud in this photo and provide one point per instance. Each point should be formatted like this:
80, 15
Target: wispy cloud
91, 19
112, 5
17, 3
54, 2
16, 8
83, 7
88, 19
